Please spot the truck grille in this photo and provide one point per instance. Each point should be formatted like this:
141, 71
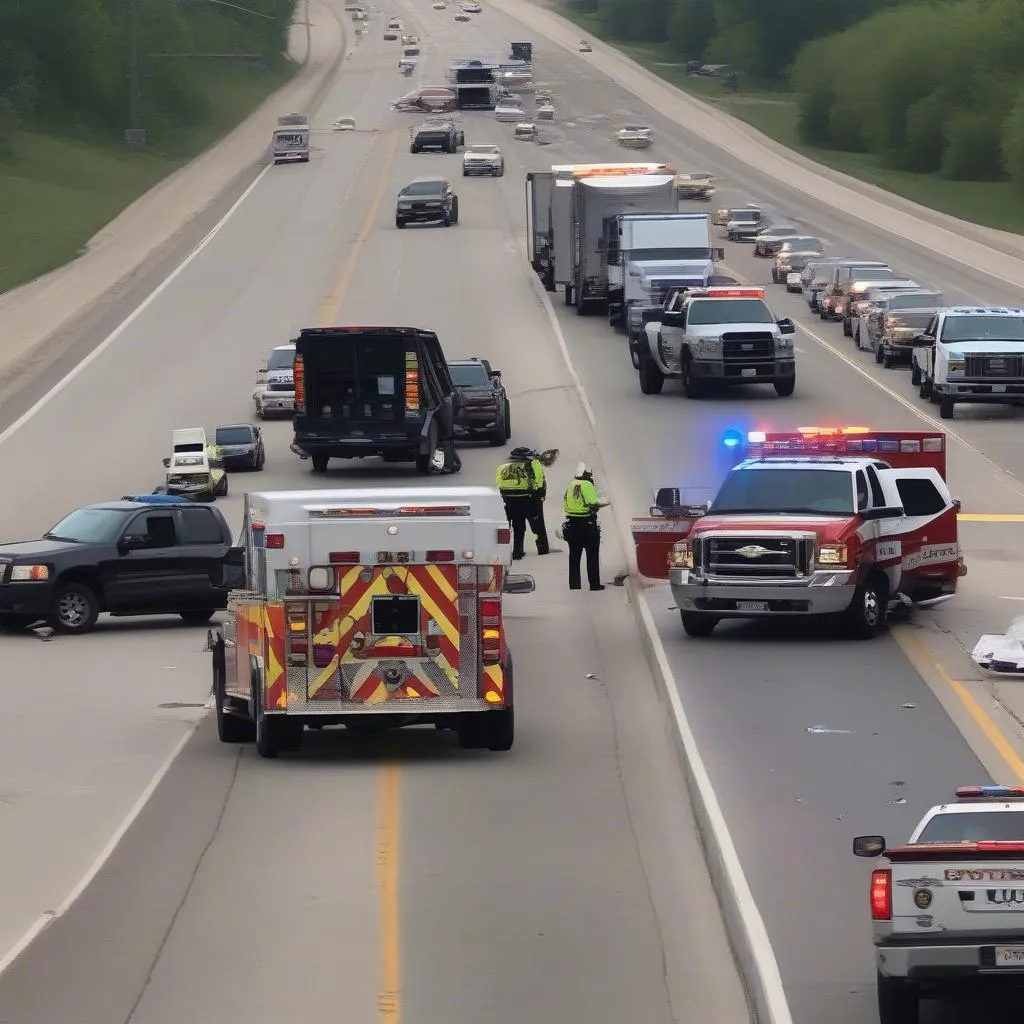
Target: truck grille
740, 346
767, 557
995, 366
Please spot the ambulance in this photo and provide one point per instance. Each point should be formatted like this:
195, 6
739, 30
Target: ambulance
369, 608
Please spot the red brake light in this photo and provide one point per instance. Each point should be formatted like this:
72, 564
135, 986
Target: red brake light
440, 556
504, 536
275, 540
299, 377
345, 557
881, 895
490, 630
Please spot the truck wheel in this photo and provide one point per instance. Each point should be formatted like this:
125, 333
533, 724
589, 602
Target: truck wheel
887, 361
221, 490
924, 389
499, 729
230, 728
196, 616
499, 435
568, 294
455, 212
508, 422
869, 610
879, 353
260, 414
399, 223
275, 735
698, 624
946, 406
785, 388
691, 388
915, 375
319, 462
75, 608
898, 1001
652, 380
847, 328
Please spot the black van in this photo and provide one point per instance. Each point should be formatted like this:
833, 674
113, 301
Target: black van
364, 391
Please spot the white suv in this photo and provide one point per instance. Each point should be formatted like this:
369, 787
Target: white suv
274, 394
483, 160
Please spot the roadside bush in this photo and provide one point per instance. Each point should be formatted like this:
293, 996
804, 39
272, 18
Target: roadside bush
1012, 143
973, 149
814, 114
9, 123
924, 137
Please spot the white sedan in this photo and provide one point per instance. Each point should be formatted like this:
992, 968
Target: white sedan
509, 110
439, 5
545, 112
634, 136
585, 47
483, 160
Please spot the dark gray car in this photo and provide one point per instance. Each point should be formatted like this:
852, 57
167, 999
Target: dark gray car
427, 200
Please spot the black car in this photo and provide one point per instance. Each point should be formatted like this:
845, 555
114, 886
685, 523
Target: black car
241, 446
136, 556
442, 134
427, 200
487, 415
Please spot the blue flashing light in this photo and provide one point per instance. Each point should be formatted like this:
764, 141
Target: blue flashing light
157, 499
732, 438
990, 792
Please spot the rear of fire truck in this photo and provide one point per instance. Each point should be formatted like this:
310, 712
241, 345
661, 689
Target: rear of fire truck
373, 609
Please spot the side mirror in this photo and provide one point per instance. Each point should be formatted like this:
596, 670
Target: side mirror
886, 512
924, 339
786, 326
235, 557
167, 463
868, 846
672, 320
957, 504
496, 374
667, 498
519, 583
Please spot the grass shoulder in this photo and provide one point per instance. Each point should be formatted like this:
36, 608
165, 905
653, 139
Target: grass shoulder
992, 204
57, 190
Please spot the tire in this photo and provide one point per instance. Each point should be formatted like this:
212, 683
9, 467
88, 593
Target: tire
946, 407
899, 1002
75, 608
197, 616
508, 422
887, 362
446, 221
924, 388
221, 489
455, 212
915, 375
230, 728
691, 388
500, 729
414, 148
856, 336
260, 414
465, 173
698, 624
273, 735
847, 328
568, 294
320, 462
501, 171
652, 380
879, 354
869, 610
785, 388
399, 223
499, 435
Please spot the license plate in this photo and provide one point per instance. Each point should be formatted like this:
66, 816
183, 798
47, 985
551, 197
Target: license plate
749, 372
751, 606
998, 389
1009, 956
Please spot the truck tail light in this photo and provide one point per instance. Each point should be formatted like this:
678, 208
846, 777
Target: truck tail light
491, 638
881, 895
275, 540
296, 625
440, 556
504, 536
299, 377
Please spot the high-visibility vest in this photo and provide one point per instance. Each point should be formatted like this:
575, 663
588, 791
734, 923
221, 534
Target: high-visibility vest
519, 478
581, 499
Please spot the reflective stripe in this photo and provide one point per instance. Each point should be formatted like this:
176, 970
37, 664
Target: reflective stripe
519, 477
581, 499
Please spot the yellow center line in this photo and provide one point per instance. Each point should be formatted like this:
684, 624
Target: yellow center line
980, 716
336, 297
389, 999
990, 517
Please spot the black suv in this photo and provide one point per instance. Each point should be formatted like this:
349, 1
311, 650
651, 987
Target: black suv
148, 555
443, 134
427, 199
487, 413
374, 391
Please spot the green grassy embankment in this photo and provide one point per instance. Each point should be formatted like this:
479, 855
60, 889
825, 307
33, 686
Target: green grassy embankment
57, 191
993, 204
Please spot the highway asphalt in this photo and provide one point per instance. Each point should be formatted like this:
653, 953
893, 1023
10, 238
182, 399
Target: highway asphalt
388, 880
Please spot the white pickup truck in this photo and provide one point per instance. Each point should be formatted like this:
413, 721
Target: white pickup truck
948, 909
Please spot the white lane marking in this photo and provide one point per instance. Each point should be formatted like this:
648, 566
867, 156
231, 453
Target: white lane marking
97, 865
740, 895
133, 316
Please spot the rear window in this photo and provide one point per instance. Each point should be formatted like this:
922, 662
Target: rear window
983, 328
975, 827
468, 374
233, 435
424, 188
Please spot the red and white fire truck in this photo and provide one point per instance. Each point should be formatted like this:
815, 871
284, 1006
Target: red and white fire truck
372, 609
841, 522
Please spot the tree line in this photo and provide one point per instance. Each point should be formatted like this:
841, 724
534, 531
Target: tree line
69, 62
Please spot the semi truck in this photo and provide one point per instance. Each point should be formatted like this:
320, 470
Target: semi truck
648, 253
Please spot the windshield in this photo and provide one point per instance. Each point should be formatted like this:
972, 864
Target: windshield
488, 150
423, 188
468, 375
728, 311
975, 827
233, 435
281, 360
778, 490
90, 526
913, 300
983, 328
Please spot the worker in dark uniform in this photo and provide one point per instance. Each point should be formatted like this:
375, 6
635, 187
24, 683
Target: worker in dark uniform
523, 488
581, 530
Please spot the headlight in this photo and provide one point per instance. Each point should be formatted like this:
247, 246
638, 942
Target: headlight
28, 573
681, 556
957, 365
832, 554
784, 343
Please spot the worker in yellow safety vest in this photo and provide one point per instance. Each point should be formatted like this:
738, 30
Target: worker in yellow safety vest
523, 488
581, 530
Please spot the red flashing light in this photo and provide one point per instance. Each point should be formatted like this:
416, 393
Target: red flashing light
275, 540
344, 557
440, 556
504, 536
718, 292
881, 895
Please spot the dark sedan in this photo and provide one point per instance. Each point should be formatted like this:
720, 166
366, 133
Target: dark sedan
241, 446
488, 416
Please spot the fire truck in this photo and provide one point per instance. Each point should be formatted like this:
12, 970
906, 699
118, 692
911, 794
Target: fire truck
372, 609
846, 523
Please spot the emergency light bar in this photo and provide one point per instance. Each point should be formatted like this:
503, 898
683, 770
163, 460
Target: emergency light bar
380, 511
990, 793
596, 170
856, 441
725, 292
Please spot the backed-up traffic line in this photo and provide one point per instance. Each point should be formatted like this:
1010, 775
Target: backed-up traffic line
863, 294
888, 326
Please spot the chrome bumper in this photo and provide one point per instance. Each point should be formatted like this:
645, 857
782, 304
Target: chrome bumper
938, 961
824, 592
